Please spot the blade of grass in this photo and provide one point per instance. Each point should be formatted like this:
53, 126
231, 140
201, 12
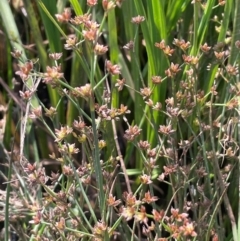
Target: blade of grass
47, 9
174, 11
113, 46
72, 112
11, 28
203, 25
51, 31
61, 4
221, 38
153, 29
35, 31
76, 6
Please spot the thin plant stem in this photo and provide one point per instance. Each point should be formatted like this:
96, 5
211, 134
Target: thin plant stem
221, 183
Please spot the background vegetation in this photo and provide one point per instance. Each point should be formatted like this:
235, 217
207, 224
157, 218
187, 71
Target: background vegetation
119, 120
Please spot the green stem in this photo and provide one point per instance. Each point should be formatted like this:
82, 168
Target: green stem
36, 32
6, 222
96, 153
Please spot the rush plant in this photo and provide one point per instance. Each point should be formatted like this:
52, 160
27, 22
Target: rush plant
120, 120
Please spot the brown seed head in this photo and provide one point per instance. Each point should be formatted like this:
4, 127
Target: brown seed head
156, 80
123, 110
67, 171
219, 55
61, 224
16, 53
138, 19
130, 199
81, 19
205, 48
168, 51
192, 60
146, 92
50, 112
112, 69
188, 229
25, 70
36, 113
144, 145
145, 179
107, 5
65, 16
173, 70
161, 45
70, 43
90, 35
129, 45
166, 130
141, 216
112, 202
55, 56
79, 125
99, 229
132, 132
91, 3
26, 95
100, 49
231, 70
148, 198
128, 212
181, 44
62, 133
177, 216
120, 84
52, 75
158, 216
237, 44
83, 91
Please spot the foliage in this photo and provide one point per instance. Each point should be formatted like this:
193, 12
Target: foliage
122, 120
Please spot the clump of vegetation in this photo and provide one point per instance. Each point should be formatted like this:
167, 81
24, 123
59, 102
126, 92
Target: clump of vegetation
122, 121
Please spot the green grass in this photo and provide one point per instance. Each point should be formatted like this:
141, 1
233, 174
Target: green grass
91, 166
